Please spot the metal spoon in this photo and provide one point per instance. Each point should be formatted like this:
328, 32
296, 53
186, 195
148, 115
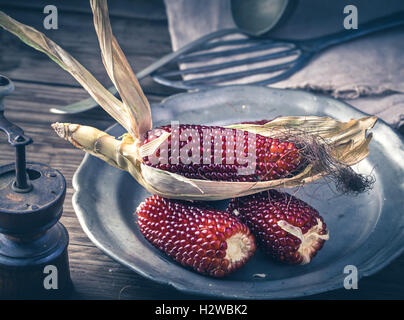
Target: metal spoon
257, 17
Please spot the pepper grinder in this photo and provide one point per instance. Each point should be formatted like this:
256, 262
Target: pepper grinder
33, 243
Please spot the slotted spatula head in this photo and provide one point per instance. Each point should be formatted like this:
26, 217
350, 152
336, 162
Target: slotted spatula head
233, 58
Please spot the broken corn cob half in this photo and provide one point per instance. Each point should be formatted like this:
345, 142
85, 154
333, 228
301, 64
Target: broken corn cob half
287, 228
210, 241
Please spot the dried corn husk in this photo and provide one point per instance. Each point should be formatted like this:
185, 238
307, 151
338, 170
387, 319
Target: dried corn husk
350, 144
348, 140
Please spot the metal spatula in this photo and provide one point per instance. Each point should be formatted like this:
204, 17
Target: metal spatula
285, 57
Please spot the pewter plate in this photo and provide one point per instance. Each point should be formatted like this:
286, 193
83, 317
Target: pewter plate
366, 231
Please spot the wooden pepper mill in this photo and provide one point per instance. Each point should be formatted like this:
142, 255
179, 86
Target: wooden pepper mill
33, 244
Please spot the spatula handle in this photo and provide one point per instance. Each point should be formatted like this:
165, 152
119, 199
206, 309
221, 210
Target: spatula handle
366, 28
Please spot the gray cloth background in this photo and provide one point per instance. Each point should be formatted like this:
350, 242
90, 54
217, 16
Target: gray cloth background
368, 72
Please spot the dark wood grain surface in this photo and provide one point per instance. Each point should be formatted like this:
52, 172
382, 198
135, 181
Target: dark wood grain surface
141, 29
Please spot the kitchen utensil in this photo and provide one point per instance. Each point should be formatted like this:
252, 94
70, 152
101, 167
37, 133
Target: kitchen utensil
33, 244
257, 17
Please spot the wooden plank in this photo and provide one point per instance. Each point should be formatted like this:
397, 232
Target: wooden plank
143, 42
96, 276
143, 9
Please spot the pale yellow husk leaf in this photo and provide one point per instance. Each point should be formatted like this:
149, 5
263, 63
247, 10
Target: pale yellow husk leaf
120, 72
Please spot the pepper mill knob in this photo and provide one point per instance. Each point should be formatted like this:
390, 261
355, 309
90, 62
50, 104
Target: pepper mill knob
33, 244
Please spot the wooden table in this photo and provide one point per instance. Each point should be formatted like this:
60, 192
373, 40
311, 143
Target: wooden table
141, 28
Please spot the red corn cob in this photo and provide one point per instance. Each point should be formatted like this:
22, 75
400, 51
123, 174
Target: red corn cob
287, 228
210, 241
273, 159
